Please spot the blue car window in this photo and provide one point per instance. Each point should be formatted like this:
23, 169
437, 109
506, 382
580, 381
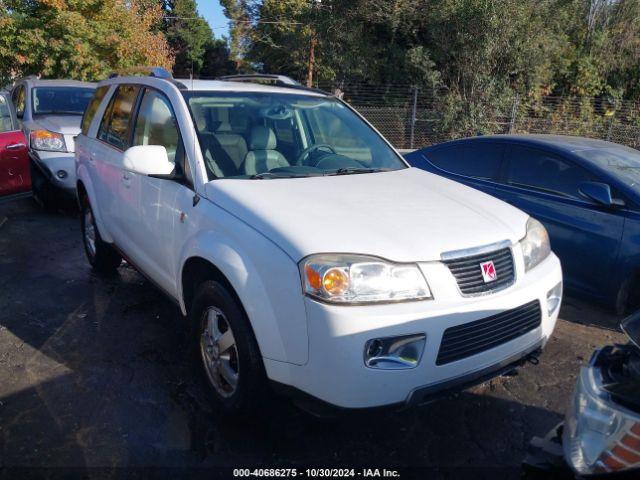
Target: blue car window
538, 170
623, 162
480, 160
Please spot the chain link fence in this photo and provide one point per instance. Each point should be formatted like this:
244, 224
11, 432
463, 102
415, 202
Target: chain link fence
412, 118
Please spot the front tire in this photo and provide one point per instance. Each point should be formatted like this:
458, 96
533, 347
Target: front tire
102, 256
226, 350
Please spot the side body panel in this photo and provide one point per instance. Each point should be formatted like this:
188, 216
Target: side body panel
266, 280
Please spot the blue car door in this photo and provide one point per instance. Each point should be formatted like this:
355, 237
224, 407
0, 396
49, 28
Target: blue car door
586, 236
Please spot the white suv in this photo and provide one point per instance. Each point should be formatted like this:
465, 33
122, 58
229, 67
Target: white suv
304, 251
49, 112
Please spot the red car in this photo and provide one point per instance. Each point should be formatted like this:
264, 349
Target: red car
15, 177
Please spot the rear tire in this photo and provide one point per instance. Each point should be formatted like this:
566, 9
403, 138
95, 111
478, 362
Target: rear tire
225, 350
102, 256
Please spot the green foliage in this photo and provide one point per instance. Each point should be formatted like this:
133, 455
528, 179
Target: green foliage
477, 54
81, 39
188, 35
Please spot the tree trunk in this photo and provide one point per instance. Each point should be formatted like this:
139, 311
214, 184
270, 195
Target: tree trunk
312, 59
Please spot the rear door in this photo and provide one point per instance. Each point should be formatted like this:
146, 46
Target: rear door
115, 187
15, 176
585, 236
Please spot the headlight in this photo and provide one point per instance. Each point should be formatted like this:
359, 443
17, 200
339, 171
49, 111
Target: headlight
535, 245
47, 141
348, 279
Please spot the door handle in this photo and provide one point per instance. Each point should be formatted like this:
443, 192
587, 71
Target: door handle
15, 146
126, 179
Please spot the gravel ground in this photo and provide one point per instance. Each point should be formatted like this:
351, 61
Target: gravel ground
93, 374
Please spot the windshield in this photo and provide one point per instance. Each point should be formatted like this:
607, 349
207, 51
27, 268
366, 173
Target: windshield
267, 135
61, 100
623, 162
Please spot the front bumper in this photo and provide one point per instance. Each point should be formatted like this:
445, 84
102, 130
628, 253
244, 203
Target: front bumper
50, 163
336, 374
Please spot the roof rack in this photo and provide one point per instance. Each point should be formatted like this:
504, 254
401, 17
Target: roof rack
280, 80
276, 80
158, 72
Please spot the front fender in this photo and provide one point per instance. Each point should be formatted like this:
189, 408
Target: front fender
267, 282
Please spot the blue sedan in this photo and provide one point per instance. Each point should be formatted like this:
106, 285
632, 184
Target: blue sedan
586, 192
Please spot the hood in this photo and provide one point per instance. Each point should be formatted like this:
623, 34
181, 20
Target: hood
631, 326
406, 215
67, 125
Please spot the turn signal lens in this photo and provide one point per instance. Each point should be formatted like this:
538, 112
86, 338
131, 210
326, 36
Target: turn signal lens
335, 281
314, 280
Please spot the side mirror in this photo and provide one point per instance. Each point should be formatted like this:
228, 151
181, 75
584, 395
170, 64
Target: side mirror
148, 160
599, 193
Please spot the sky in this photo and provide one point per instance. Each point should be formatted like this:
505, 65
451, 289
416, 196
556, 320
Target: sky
212, 11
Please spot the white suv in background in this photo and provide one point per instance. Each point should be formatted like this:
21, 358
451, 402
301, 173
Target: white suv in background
49, 112
303, 249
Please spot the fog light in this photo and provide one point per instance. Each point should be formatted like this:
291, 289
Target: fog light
61, 174
554, 298
394, 353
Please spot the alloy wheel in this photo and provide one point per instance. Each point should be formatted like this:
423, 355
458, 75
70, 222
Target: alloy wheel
89, 232
219, 352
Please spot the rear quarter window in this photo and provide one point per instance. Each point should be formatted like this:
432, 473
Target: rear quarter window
92, 108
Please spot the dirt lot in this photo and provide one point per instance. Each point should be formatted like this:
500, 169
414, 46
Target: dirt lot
92, 374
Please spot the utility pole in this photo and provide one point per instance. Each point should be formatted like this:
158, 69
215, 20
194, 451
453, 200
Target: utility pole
312, 58
315, 4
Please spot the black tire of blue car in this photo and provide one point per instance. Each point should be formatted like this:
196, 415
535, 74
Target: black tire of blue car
102, 256
43, 192
628, 299
250, 393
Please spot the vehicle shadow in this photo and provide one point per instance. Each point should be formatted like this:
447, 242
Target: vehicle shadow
585, 313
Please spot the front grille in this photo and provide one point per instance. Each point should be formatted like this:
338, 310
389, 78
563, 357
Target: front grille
471, 338
468, 272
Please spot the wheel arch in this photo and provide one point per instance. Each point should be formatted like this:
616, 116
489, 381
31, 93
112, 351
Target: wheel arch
277, 318
197, 270
84, 185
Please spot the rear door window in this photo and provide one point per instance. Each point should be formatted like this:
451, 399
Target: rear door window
6, 116
92, 108
481, 160
542, 171
114, 128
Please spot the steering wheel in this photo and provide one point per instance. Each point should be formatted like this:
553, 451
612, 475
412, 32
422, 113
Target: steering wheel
305, 153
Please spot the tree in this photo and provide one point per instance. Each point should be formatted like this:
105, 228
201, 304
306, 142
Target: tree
81, 39
188, 35
217, 60
240, 14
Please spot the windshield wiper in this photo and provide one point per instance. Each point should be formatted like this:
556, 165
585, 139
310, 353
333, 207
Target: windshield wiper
268, 175
356, 170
